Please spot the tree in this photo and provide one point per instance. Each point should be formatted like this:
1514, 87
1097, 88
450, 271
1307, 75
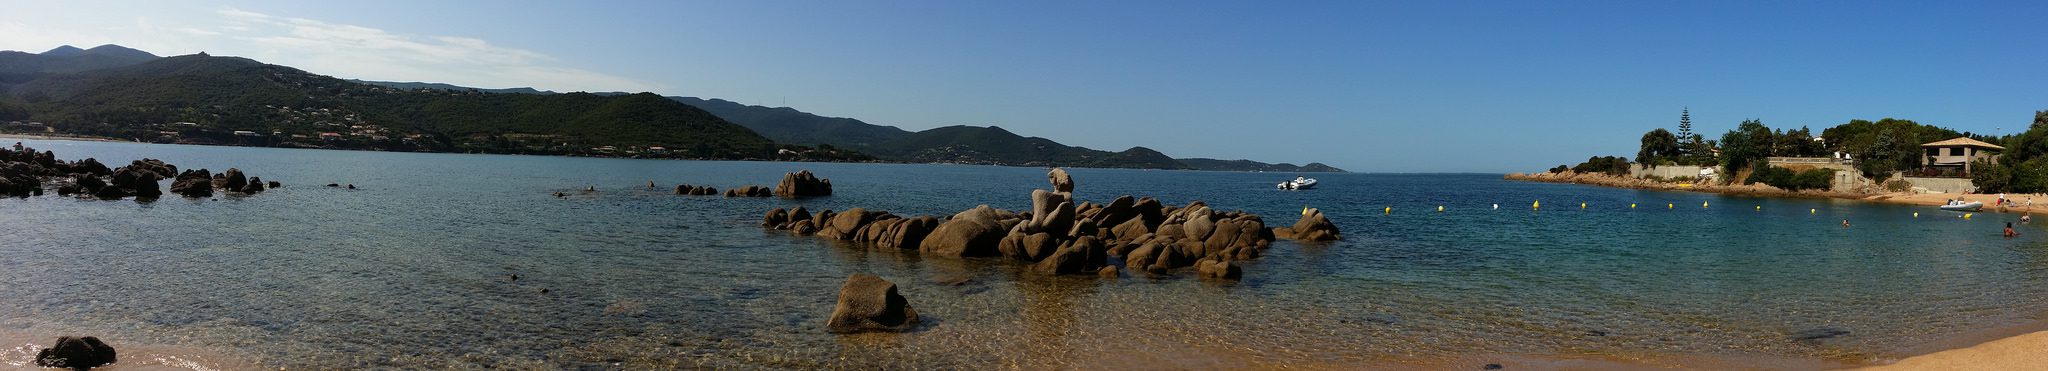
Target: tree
1699, 152
1685, 122
1658, 146
2040, 120
1749, 143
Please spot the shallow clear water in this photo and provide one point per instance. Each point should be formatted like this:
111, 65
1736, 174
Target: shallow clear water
412, 270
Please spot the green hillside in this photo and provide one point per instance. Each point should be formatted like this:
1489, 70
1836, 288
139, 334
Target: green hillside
205, 99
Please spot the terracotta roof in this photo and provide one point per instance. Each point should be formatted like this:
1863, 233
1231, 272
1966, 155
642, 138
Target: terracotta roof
1963, 142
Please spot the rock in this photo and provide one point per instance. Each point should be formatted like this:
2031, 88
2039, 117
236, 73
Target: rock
873, 231
1218, 269
91, 166
802, 184
338, 185
909, 233
1819, 333
974, 232
76, 353
232, 180
1050, 212
799, 213
1129, 230
255, 185
1313, 226
1060, 181
125, 177
1143, 256
145, 185
1491, 366
193, 183
110, 193
803, 227
1079, 257
1116, 212
870, 303
843, 225
1030, 247
775, 218
88, 183
684, 189
1108, 271
274, 184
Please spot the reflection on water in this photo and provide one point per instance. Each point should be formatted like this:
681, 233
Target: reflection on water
414, 270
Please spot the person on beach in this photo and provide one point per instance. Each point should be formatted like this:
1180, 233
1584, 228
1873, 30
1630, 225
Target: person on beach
2008, 231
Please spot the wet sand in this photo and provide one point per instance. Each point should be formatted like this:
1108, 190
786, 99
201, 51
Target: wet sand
18, 351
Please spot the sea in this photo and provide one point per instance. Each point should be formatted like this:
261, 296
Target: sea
413, 269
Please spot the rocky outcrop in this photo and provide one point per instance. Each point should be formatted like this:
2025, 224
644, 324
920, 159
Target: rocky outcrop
870, 303
193, 183
24, 172
803, 184
748, 191
1060, 236
77, 353
685, 189
1312, 227
1061, 182
974, 232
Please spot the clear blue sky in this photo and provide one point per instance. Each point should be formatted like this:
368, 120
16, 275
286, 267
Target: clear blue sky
1412, 86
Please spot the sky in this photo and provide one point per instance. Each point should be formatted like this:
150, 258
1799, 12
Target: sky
1369, 86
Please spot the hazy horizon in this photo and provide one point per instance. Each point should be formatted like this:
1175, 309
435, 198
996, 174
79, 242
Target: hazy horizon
1488, 87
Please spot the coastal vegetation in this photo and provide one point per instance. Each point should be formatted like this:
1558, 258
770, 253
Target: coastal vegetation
2023, 167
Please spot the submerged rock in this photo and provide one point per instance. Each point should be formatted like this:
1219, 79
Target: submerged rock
76, 353
870, 303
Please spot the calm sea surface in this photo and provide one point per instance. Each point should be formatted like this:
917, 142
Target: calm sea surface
412, 270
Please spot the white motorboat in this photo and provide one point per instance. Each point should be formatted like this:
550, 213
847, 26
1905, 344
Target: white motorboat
1963, 206
1298, 183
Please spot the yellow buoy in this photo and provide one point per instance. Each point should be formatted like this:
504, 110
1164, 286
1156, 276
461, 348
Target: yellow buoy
1812, 211
1669, 205
1390, 211
1631, 205
1966, 216
1916, 214
1582, 205
1759, 207
1439, 208
1536, 205
1703, 204
1304, 210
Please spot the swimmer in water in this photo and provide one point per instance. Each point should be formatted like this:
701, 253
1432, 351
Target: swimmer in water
1845, 223
2008, 231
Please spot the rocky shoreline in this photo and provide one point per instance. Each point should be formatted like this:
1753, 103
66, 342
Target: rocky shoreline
1623, 181
24, 172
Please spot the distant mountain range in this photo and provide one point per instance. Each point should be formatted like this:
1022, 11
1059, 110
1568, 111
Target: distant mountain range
116, 91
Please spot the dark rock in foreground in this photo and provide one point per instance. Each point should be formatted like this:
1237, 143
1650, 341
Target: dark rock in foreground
76, 353
870, 303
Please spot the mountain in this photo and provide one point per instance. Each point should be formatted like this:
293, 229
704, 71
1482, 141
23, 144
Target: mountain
1249, 165
788, 125
995, 146
63, 51
278, 105
441, 86
18, 67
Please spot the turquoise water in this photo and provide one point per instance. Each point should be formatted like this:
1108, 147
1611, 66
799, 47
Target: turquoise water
412, 270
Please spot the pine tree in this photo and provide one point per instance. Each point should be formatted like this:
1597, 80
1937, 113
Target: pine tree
1685, 123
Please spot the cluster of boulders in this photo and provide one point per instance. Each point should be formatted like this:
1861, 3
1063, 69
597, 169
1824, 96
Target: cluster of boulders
77, 353
748, 191
1061, 236
1313, 227
23, 172
685, 189
803, 184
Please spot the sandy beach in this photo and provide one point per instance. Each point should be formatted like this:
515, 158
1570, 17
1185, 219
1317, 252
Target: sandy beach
2014, 353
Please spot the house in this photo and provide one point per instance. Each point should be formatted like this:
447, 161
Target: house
247, 133
1958, 153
